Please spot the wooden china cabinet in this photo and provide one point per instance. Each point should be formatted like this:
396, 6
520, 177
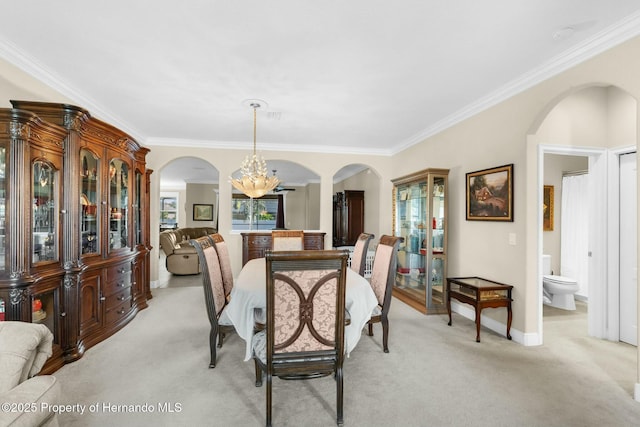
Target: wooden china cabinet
74, 218
348, 217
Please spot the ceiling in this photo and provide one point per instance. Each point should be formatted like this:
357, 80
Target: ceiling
363, 76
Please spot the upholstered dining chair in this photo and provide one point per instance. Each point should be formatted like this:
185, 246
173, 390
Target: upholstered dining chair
382, 278
225, 262
304, 337
214, 294
227, 276
287, 240
359, 256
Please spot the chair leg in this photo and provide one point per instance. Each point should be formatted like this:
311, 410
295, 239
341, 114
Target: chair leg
268, 399
370, 329
258, 373
385, 334
339, 400
213, 335
220, 339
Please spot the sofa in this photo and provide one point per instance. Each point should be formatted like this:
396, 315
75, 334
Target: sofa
181, 257
28, 399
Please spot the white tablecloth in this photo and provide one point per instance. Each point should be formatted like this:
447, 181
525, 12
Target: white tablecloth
249, 292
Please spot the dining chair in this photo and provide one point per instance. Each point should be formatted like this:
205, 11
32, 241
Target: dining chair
287, 240
358, 258
225, 262
382, 279
304, 337
227, 276
214, 294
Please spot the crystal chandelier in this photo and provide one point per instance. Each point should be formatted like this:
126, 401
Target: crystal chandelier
254, 182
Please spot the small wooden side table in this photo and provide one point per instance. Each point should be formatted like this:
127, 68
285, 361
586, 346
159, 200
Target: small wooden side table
480, 293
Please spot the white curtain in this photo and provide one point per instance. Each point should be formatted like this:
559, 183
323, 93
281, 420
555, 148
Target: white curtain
574, 234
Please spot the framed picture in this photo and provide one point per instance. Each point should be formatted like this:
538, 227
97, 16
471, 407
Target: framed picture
547, 208
490, 194
202, 212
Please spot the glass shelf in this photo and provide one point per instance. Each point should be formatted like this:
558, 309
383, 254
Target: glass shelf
89, 201
44, 181
118, 204
420, 218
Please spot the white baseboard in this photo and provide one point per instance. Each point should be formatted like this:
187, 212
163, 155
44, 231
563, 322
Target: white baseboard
636, 392
465, 310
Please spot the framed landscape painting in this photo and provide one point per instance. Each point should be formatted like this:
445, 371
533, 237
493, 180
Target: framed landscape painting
490, 194
202, 212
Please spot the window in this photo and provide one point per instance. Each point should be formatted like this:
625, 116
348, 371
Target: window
168, 212
261, 216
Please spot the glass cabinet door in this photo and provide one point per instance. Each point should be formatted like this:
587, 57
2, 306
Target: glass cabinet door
3, 195
44, 225
411, 224
436, 294
118, 204
137, 218
89, 197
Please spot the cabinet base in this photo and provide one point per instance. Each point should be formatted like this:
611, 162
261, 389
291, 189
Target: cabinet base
417, 303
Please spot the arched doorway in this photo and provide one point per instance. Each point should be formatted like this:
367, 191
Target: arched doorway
599, 123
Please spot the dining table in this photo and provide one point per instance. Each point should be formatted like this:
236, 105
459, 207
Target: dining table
250, 292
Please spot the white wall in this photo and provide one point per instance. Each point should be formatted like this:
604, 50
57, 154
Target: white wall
201, 194
501, 134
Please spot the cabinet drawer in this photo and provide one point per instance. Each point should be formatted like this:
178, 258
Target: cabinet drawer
118, 298
119, 273
118, 312
114, 287
259, 241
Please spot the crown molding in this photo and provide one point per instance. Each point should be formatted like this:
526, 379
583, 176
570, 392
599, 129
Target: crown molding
600, 42
35, 69
229, 145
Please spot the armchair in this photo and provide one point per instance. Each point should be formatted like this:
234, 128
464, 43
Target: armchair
24, 348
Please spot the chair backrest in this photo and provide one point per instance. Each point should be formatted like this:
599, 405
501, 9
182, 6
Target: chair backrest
305, 303
225, 262
358, 258
211, 277
384, 267
287, 240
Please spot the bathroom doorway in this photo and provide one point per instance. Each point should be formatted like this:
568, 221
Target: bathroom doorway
565, 239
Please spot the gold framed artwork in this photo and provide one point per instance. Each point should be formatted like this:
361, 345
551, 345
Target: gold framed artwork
547, 208
490, 194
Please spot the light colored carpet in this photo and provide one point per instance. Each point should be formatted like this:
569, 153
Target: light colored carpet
435, 375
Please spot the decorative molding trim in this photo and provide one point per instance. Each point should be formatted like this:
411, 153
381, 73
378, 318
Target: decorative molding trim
17, 296
19, 130
31, 66
247, 146
602, 41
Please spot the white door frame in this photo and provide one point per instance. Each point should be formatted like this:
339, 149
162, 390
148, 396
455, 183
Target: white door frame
613, 241
599, 301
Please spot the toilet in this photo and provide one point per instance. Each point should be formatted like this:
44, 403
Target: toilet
558, 291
